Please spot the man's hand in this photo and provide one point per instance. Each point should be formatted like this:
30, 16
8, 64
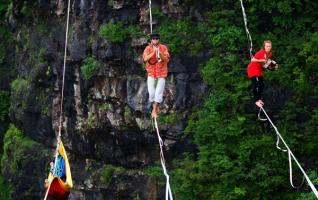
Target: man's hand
155, 49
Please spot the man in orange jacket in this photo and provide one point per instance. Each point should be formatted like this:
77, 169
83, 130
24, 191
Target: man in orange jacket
156, 57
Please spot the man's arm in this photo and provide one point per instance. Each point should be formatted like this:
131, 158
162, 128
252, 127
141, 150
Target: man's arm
165, 56
147, 56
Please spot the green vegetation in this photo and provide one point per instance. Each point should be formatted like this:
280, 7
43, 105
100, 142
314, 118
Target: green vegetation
15, 144
170, 118
90, 120
19, 84
108, 172
105, 106
4, 189
156, 172
127, 112
134, 31
114, 32
181, 36
117, 32
5, 35
90, 67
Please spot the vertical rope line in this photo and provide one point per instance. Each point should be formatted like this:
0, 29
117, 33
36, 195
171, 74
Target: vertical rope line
249, 38
162, 159
64, 66
150, 16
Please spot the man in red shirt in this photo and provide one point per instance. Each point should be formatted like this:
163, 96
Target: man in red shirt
255, 71
156, 57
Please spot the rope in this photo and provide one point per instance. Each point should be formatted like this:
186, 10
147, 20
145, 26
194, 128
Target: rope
249, 38
64, 66
259, 116
150, 16
290, 158
62, 95
162, 159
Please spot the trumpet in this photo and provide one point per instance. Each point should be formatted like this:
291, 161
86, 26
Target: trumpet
157, 53
158, 56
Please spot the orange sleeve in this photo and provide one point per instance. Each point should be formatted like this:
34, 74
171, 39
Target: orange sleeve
166, 54
146, 52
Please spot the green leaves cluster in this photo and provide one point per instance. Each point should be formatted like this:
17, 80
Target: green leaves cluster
90, 67
108, 172
117, 32
19, 84
14, 149
180, 36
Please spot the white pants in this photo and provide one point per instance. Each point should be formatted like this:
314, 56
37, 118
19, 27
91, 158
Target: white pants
156, 92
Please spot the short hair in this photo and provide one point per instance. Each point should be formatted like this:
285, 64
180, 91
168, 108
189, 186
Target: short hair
266, 41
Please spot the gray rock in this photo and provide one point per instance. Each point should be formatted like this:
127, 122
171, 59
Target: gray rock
137, 94
138, 42
77, 47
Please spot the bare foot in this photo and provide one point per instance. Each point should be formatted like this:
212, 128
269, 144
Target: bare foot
259, 103
154, 114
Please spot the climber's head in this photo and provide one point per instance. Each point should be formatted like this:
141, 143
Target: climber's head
267, 45
154, 37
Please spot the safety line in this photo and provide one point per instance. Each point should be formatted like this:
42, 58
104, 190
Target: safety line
290, 157
249, 38
162, 159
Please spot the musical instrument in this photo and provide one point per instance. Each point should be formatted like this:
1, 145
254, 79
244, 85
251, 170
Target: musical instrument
270, 65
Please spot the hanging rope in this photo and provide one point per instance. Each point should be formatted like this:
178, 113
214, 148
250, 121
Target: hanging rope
259, 115
62, 95
64, 66
162, 159
249, 38
291, 158
150, 16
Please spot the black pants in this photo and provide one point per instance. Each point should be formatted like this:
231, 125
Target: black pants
258, 87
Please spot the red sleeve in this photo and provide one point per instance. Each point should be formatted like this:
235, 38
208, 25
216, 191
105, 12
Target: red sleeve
260, 54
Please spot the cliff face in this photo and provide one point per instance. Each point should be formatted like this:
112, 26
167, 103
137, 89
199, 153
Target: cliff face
108, 132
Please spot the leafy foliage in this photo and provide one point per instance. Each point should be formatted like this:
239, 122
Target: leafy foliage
19, 84
114, 32
90, 67
15, 144
4, 189
108, 172
117, 32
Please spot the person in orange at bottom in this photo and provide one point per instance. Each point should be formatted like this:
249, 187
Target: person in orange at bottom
156, 56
